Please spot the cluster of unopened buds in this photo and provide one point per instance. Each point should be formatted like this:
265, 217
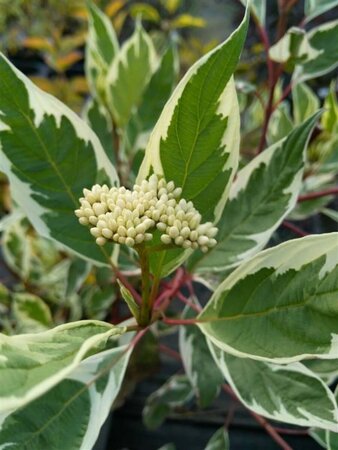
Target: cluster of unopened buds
131, 216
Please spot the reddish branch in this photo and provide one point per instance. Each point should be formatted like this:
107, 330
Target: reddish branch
313, 195
294, 228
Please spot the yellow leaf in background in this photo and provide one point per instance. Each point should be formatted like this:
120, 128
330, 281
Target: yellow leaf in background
80, 13
147, 12
79, 84
114, 7
171, 5
37, 43
118, 20
186, 20
62, 63
45, 84
70, 43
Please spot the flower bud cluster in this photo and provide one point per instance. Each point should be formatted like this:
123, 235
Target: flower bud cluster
130, 216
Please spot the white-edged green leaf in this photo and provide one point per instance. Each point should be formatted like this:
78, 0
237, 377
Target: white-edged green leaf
305, 102
71, 414
332, 437
264, 192
195, 142
331, 213
129, 75
319, 436
258, 8
198, 363
100, 121
31, 313
156, 94
175, 392
314, 8
31, 364
280, 124
101, 48
219, 441
49, 155
281, 305
288, 393
326, 369
129, 299
313, 53
322, 52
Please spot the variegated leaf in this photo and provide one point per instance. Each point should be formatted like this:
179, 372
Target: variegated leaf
76, 407
258, 8
219, 440
195, 142
280, 124
102, 47
175, 392
314, 53
31, 364
129, 75
100, 121
281, 305
49, 155
331, 438
264, 192
198, 363
326, 369
314, 8
305, 102
31, 313
156, 94
288, 393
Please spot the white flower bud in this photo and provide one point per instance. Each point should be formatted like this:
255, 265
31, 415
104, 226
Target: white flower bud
122, 231
107, 233
139, 238
173, 232
212, 243
170, 186
95, 232
204, 249
83, 221
212, 232
186, 244
203, 240
131, 232
93, 220
185, 232
166, 239
148, 237
179, 240
100, 241
193, 235
161, 226
130, 242
99, 208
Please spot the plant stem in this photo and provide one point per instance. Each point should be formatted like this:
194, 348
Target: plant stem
313, 195
180, 321
146, 307
294, 228
186, 301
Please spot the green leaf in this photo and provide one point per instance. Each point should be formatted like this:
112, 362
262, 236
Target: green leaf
99, 120
305, 102
280, 124
195, 142
31, 364
322, 54
288, 393
101, 49
314, 8
281, 305
319, 436
198, 363
129, 299
76, 407
31, 313
219, 440
326, 369
258, 8
175, 392
331, 437
153, 100
49, 155
264, 192
129, 75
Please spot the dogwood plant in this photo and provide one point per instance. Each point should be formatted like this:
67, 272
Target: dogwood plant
147, 185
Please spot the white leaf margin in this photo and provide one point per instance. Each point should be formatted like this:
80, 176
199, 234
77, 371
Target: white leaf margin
289, 255
283, 415
10, 403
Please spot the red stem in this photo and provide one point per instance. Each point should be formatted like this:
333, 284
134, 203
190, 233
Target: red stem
186, 301
312, 195
294, 228
169, 351
179, 321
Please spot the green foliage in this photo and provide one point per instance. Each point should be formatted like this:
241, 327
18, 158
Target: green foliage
74, 311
